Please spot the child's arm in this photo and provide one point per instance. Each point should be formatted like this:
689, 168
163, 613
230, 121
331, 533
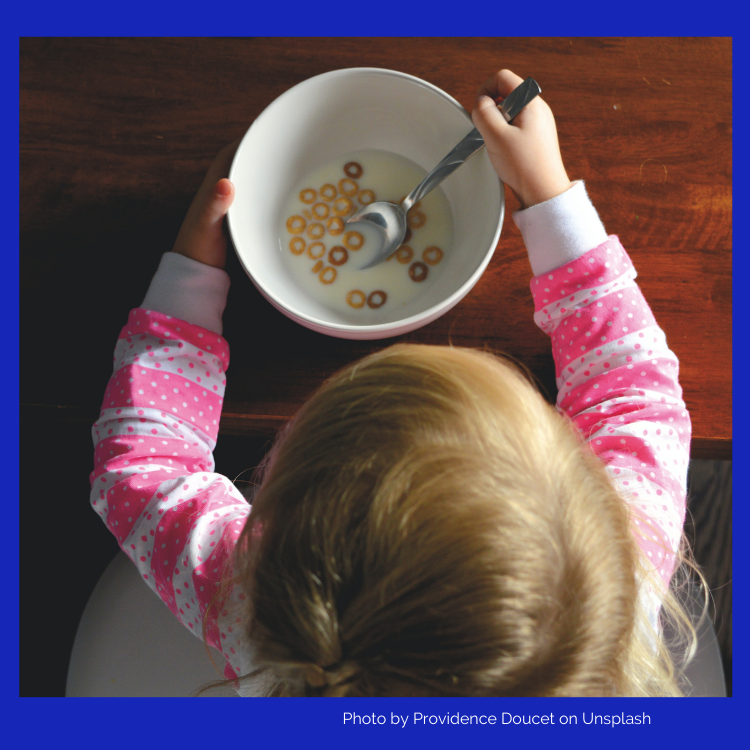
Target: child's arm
617, 378
153, 482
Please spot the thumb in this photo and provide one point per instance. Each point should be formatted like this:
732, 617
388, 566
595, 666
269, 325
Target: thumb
489, 121
216, 204
201, 236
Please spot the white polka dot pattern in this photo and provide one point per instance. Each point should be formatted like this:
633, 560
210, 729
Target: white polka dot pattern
153, 483
617, 381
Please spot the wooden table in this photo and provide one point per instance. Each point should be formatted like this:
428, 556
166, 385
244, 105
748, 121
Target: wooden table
116, 135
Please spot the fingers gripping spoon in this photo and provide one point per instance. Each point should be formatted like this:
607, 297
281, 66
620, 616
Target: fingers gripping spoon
389, 219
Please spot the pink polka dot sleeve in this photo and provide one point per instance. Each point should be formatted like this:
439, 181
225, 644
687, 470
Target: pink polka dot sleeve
617, 381
154, 484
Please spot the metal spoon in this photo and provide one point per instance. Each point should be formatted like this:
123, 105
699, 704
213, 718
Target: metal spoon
390, 219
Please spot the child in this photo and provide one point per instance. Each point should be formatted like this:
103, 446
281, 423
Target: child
427, 524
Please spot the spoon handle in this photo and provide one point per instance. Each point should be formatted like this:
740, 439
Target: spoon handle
472, 142
519, 98
457, 156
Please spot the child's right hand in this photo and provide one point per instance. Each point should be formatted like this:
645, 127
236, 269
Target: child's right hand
526, 153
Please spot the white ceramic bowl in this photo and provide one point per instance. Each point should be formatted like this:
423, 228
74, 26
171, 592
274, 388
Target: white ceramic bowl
333, 114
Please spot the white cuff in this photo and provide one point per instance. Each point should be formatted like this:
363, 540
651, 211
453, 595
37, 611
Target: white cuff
560, 229
189, 290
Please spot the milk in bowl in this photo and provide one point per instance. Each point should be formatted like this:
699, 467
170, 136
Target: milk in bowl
324, 256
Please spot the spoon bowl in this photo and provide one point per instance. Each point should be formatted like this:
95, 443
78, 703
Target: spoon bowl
389, 221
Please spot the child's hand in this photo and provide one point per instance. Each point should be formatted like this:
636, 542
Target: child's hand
201, 235
526, 153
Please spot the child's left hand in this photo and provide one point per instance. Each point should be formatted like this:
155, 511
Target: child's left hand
202, 236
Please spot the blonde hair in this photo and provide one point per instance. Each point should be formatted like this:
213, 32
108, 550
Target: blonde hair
429, 525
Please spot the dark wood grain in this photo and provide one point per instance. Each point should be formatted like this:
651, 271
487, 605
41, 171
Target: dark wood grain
116, 135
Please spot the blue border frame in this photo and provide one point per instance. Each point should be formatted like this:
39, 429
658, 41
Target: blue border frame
42, 722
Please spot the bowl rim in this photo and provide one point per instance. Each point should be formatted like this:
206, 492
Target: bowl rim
407, 324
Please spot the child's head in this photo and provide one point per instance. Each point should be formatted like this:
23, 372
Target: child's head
429, 525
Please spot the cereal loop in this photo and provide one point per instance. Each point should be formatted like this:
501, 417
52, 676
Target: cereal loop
407, 236
377, 299
432, 255
418, 271
353, 240
308, 195
316, 250
366, 197
356, 299
307, 214
338, 255
348, 187
295, 224
328, 275
416, 219
315, 231
297, 245
321, 210
335, 225
317, 266
353, 170
404, 254
342, 206
328, 192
